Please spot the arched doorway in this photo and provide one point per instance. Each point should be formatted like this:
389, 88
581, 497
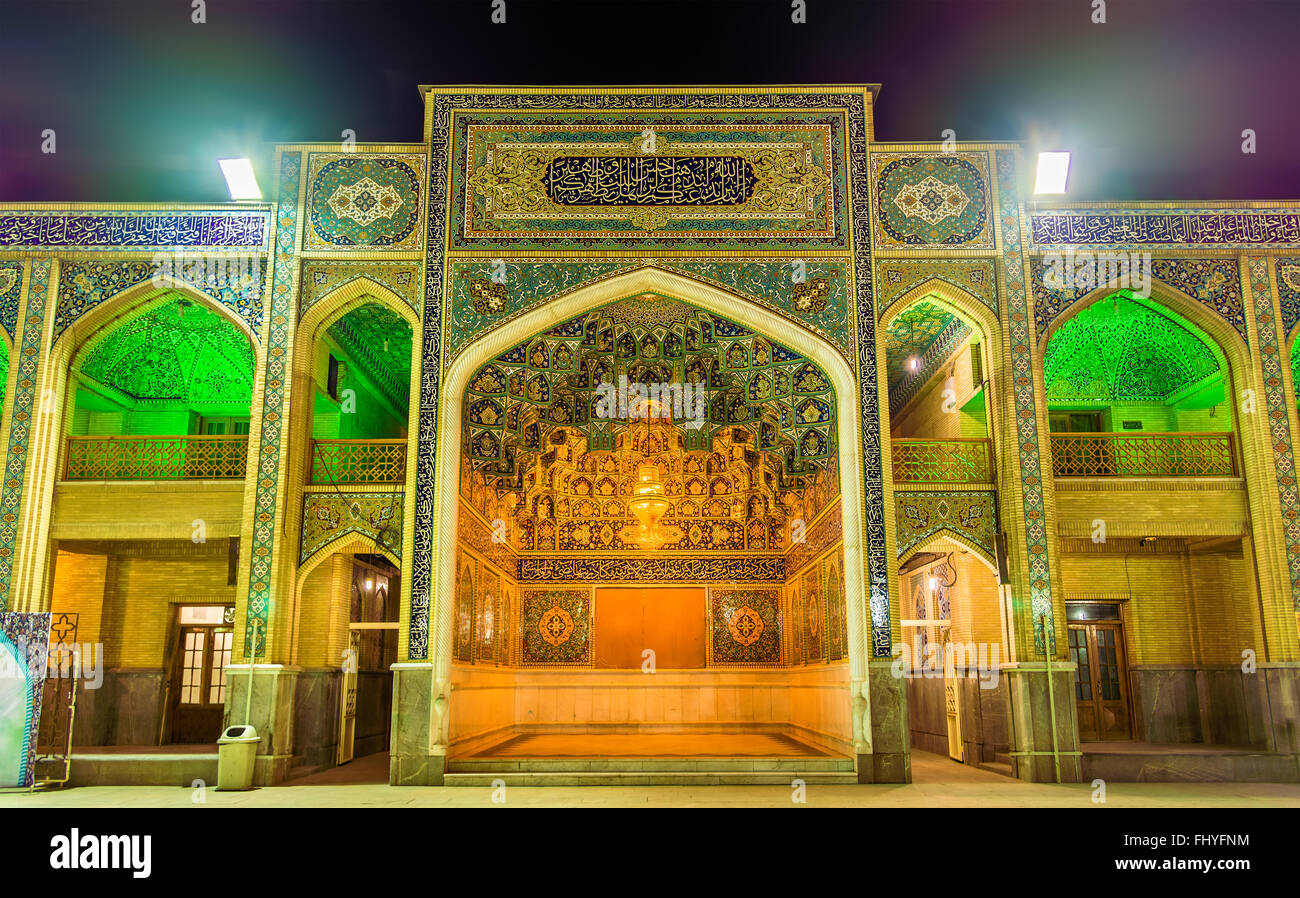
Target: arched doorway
939, 364
759, 450
1160, 581
354, 359
154, 431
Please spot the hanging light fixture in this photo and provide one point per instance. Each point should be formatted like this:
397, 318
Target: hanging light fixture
650, 420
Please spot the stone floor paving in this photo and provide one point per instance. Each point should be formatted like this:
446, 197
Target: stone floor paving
937, 783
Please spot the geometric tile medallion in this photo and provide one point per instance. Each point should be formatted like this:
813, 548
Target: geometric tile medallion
931, 199
745, 626
364, 200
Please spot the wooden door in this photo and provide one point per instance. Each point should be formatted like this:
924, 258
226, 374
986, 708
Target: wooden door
1100, 680
198, 682
952, 700
348, 699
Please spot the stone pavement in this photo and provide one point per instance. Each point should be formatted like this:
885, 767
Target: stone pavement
938, 783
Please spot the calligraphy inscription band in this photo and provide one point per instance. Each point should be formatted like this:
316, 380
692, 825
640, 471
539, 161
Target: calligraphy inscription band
649, 181
1196, 228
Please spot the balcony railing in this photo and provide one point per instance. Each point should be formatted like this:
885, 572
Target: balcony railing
358, 461
1143, 455
942, 461
156, 458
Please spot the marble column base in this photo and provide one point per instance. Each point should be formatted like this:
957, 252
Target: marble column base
891, 759
1031, 722
271, 714
417, 753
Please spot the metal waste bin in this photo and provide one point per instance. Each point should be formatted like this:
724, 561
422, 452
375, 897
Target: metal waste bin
236, 754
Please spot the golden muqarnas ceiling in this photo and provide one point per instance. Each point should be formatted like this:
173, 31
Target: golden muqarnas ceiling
544, 447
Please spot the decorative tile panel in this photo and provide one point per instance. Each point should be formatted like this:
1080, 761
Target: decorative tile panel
669, 175
931, 199
1277, 400
555, 628
1022, 368
28, 361
820, 303
271, 445
1214, 283
1228, 228
319, 279
744, 627
895, 277
236, 284
673, 569
328, 516
11, 291
363, 200
134, 230
1288, 293
971, 516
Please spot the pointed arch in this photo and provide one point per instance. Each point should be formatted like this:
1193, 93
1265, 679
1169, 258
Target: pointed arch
1171, 302
338, 302
956, 536
137, 300
710, 298
348, 543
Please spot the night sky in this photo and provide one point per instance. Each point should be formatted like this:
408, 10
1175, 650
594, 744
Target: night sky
1152, 103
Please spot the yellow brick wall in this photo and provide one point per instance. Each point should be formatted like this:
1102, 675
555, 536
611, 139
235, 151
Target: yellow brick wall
924, 417
324, 611
125, 596
79, 582
1177, 607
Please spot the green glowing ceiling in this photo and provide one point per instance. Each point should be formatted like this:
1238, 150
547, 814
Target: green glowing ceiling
4, 371
1119, 350
174, 352
379, 341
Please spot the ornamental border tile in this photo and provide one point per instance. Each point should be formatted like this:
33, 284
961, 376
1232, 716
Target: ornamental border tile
24, 403
133, 229
1277, 399
262, 545
1026, 404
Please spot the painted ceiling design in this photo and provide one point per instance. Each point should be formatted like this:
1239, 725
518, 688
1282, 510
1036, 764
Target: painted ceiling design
177, 351
379, 340
1118, 350
925, 333
553, 380
4, 371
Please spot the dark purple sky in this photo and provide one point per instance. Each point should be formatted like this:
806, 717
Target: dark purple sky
1152, 103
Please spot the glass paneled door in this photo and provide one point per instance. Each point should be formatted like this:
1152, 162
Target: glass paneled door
204, 639
1101, 674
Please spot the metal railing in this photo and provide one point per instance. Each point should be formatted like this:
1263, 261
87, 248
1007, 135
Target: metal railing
943, 461
358, 461
156, 458
1143, 455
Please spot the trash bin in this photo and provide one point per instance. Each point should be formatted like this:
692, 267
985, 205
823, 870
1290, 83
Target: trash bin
236, 754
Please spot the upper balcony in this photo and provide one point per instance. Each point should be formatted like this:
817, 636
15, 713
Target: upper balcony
150, 487
1143, 455
952, 461
156, 458
358, 462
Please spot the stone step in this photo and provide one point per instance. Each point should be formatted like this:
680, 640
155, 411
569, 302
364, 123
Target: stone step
487, 779
650, 765
144, 769
1002, 767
